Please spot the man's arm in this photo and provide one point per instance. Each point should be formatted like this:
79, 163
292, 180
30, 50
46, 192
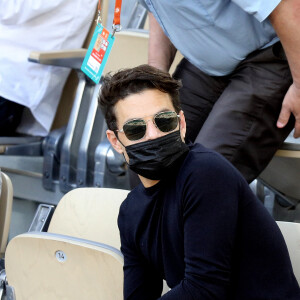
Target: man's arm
286, 22
161, 51
141, 281
210, 198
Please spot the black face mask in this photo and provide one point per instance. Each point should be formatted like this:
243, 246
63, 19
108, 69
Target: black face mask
154, 159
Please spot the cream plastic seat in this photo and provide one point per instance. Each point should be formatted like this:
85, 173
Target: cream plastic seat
89, 213
130, 49
6, 200
291, 234
101, 208
44, 266
79, 256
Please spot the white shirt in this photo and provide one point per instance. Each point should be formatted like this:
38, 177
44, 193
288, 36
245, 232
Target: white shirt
27, 25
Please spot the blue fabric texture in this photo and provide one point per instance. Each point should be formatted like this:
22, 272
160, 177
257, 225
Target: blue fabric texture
216, 35
204, 232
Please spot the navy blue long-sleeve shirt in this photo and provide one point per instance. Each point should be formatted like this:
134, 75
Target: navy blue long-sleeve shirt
206, 234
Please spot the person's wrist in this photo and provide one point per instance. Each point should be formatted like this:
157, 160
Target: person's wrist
297, 87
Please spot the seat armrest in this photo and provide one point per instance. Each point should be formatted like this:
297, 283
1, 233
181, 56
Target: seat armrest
72, 58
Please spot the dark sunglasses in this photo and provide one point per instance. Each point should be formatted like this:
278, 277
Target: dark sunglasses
135, 129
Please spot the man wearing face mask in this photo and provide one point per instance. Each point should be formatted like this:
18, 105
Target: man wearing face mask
192, 220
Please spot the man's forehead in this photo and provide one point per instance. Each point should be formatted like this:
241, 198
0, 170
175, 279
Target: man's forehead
146, 103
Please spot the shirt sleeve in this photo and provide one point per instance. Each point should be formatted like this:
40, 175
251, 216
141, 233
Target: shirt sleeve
210, 214
260, 9
14, 12
141, 281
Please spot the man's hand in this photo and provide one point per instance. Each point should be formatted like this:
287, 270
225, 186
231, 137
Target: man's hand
286, 22
291, 104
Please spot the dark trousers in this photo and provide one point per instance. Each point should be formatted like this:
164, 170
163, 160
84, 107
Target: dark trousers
10, 116
236, 114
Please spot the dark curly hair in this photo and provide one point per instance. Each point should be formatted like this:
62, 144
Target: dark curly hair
126, 82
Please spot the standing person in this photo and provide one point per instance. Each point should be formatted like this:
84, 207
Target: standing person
241, 90
192, 220
29, 92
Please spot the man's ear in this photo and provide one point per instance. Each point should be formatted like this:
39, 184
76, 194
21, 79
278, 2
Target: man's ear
114, 141
182, 125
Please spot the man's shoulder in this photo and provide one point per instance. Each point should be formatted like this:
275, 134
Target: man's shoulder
200, 156
133, 198
127, 208
134, 208
202, 163
200, 149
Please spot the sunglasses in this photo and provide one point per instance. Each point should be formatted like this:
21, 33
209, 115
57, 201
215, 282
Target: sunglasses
136, 129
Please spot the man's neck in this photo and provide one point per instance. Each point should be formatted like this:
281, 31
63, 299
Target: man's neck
147, 182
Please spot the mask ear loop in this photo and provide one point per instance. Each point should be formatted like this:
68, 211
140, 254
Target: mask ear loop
116, 135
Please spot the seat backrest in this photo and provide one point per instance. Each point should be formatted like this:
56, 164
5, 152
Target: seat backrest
130, 49
282, 173
44, 266
291, 234
6, 200
89, 213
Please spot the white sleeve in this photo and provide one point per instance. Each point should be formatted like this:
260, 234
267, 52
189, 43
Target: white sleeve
14, 12
260, 9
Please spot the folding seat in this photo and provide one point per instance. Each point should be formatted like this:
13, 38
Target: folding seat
89, 213
291, 234
50, 266
6, 200
79, 256
279, 182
